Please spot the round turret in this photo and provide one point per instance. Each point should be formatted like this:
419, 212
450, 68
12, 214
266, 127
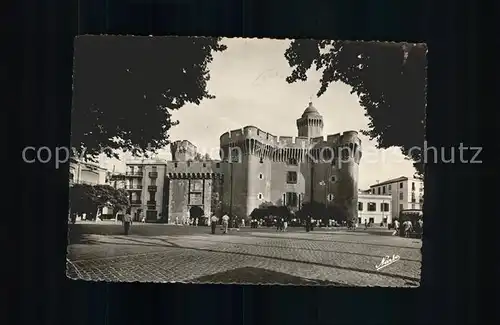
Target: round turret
310, 124
311, 111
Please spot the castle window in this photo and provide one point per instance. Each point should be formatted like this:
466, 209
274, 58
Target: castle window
204, 165
259, 196
175, 165
372, 206
333, 179
345, 154
413, 186
293, 161
217, 165
389, 187
360, 206
235, 155
291, 177
378, 191
261, 176
400, 185
383, 190
401, 196
261, 160
330, 197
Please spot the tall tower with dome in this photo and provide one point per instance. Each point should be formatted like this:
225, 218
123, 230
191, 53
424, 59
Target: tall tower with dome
310, 124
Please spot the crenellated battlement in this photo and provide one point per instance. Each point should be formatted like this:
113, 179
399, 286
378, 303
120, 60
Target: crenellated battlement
266, 138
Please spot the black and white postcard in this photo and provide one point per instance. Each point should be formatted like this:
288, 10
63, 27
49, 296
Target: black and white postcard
248, 161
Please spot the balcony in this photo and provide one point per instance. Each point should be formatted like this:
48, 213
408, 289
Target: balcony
133, 187
153, 174
151, 203
134, 174
152, 188
135, 202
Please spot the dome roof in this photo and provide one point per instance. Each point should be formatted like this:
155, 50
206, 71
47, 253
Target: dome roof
310, 110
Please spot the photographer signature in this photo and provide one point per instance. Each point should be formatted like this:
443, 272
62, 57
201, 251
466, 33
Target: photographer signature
388, 260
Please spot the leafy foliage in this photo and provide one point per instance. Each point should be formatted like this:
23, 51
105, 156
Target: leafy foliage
86, 198
319, 210
216, 203
389, 78
268, 209
126, 87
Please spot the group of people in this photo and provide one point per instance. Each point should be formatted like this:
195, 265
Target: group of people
408, 227
225, 223
281, 224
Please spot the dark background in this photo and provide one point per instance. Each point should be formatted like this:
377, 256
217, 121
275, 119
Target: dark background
450, 286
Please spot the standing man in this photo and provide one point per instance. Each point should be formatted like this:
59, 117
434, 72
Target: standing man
225, 222
396, 227
420, 224
213, 223
127, 221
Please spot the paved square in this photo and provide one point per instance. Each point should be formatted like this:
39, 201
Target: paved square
337, 258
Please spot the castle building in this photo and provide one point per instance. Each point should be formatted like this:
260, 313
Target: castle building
255, 167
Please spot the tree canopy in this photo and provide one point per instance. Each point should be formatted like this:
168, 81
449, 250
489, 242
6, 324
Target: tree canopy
125, 88
389, 78
268, 209
86, 198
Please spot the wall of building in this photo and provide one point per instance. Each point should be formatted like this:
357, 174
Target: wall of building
87, 173
400, 190
378, 215
178, 200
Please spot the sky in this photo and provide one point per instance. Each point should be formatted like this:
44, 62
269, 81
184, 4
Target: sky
248, 80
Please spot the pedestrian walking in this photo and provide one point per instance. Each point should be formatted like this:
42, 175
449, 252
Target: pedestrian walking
225, 223
407, 228
308, 223
127, 222
420, 225
285, 225
213, 223
143, 217
396, 227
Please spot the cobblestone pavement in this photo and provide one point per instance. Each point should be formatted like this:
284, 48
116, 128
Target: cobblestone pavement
340, 257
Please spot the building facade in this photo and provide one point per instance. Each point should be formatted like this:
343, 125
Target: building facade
375, 209
81, 172
255, 167
406, 193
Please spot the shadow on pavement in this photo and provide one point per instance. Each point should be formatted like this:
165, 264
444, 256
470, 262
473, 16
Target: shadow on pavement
174, 246
337, 241
253, 275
